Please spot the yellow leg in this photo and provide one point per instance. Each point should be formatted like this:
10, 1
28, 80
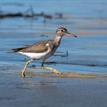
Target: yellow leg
24, 70
50, 69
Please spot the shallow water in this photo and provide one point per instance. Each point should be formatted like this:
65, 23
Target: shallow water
46, 92
86, 54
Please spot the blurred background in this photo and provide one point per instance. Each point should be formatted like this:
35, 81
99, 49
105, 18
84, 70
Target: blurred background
24, 22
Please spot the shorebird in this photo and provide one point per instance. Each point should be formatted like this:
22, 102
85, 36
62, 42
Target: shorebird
42, 50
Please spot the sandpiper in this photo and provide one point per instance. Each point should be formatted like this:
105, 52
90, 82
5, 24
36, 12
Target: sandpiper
43, 49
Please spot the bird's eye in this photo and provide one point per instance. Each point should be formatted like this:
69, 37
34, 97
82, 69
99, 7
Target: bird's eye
62, 30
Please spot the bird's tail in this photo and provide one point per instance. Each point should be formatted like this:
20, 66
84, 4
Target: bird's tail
17, 49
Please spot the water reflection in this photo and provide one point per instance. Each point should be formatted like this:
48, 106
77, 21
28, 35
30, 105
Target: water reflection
39, 83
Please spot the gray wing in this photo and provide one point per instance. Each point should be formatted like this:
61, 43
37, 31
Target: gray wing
35, 48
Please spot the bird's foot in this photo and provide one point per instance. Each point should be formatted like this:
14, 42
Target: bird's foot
56, 72
52, 70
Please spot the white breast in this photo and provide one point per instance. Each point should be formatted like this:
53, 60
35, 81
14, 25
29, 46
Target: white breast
35, 55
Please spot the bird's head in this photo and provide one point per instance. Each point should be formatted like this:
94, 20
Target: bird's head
62, 31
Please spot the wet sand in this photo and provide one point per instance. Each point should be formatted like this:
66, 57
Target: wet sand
40, 91
70, 74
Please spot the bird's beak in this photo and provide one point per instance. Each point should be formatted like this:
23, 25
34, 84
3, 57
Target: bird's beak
70, 34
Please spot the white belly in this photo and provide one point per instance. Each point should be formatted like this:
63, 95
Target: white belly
35, 55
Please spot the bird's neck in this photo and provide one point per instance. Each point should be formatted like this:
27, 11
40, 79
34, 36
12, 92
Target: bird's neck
57, 39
